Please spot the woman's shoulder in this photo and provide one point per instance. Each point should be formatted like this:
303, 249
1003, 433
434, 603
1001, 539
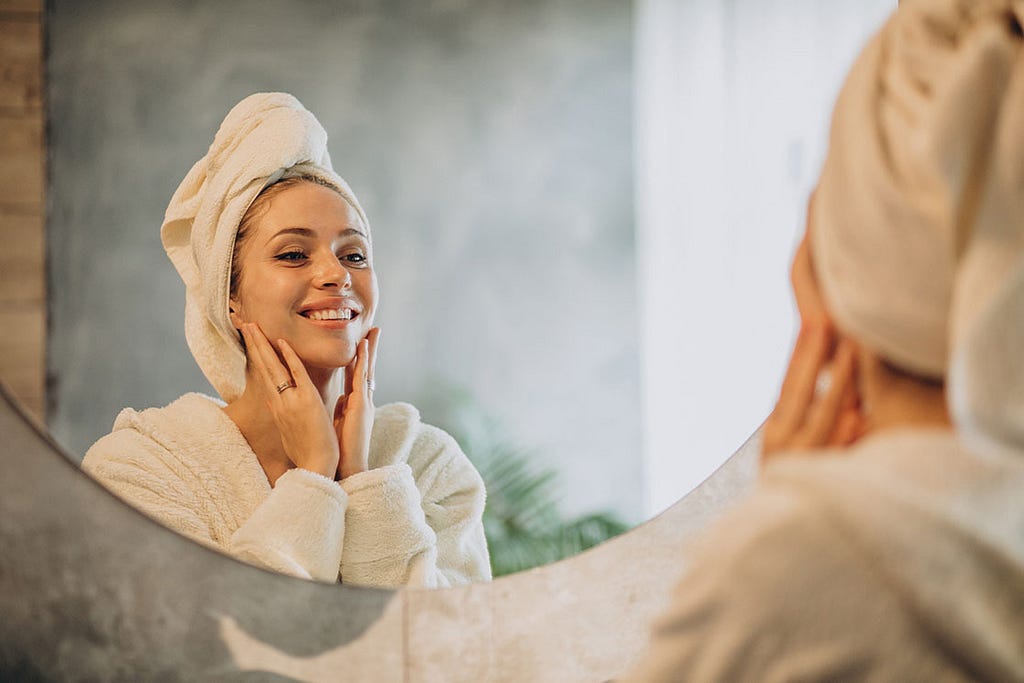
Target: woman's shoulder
170, 428
401, 422
190, 413
400, 435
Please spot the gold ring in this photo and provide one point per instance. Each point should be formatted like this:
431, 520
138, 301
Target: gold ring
284, 385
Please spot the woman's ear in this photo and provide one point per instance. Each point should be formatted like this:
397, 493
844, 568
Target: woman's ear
809, 301
233, 314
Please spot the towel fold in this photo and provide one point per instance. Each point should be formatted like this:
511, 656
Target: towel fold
265, 138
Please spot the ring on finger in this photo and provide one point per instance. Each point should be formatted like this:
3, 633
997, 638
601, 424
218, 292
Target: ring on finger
823, 383
289, 384
370, 384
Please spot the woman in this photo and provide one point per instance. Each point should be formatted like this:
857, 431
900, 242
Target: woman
295, 470
885, 541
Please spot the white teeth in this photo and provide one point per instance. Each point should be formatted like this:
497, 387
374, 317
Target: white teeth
331, 314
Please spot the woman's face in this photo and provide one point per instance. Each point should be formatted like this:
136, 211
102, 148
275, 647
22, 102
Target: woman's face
306, 276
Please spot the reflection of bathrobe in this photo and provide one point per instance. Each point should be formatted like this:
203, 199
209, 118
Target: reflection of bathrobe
413, 519
902, 560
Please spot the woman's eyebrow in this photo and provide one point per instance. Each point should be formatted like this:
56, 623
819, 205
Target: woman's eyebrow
307, 232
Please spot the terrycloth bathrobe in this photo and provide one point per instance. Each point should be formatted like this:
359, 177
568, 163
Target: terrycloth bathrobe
413, 519
899, 560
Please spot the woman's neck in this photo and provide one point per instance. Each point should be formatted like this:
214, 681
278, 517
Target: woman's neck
328, 384
893, 399
254, 420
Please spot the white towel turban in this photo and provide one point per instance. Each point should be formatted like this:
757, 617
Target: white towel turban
265, 138
918, 219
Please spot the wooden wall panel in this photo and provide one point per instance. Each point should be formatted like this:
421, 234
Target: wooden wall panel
22, 202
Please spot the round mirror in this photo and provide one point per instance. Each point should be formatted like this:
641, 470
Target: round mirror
582, 211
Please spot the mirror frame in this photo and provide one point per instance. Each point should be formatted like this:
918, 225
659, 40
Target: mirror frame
93, 588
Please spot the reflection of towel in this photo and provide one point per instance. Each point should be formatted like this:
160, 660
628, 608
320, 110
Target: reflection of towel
919, 214
265, 138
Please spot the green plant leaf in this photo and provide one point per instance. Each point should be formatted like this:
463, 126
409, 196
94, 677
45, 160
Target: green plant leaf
522, 522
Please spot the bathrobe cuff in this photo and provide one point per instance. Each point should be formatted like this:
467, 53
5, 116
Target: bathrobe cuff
385, 525
299, 529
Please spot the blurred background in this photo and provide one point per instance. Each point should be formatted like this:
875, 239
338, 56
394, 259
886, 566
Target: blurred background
582, 210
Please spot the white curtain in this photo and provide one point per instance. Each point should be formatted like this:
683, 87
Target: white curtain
733, 103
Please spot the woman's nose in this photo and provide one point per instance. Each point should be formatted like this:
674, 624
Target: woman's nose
333, 274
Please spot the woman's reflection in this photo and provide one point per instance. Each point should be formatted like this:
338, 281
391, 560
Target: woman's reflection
295, 470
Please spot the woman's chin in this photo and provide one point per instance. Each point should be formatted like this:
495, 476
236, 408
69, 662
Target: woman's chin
325, 362
324, 357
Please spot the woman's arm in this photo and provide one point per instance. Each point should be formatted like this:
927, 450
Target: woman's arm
417, 523
297, 530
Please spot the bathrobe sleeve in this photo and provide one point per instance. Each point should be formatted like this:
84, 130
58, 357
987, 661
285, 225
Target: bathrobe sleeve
417, 523
297, 530
414, 518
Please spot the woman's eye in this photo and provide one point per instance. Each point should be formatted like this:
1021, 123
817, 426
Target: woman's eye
291, 256
354, 257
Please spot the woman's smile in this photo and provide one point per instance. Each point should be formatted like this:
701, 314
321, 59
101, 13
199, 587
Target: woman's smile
331, 313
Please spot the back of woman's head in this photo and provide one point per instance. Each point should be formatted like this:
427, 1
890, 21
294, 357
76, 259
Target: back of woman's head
918, 237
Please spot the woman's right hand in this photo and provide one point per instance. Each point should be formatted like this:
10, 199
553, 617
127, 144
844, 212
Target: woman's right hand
307, 434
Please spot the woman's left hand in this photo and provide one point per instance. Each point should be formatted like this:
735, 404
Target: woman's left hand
354, 411
811, 413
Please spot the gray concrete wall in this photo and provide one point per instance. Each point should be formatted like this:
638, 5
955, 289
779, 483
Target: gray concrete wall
490, 143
